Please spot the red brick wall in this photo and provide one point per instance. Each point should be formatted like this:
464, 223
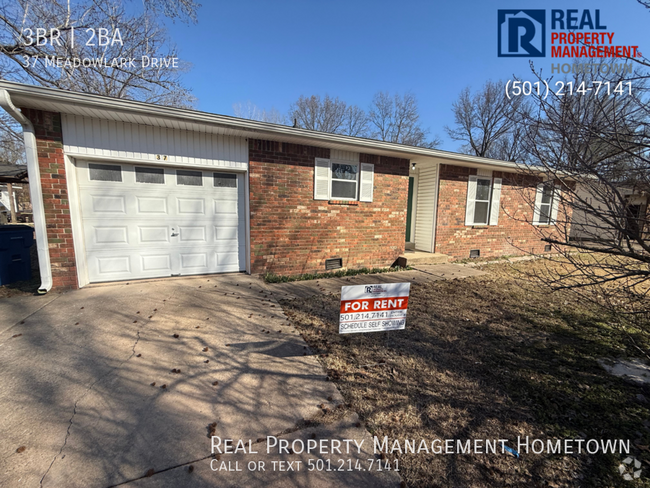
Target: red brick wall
291, 233
49, 142
514, 235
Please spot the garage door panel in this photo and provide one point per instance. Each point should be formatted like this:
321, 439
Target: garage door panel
157, 262
151, 205
194, 260
227, 258
154, 234
113, 264
144, 230
226, 233
111, 235
192, 234
225, 207
190, 206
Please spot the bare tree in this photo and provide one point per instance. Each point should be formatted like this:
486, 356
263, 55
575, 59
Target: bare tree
68, 55
251, 111
489, 123
594, 148
75, 58
397, 119
325, 115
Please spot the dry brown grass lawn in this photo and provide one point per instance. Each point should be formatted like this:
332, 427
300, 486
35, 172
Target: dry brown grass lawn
488, 358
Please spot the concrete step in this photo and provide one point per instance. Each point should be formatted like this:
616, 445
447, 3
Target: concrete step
419, 257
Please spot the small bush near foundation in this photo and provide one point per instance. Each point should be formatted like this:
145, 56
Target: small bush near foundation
274, 278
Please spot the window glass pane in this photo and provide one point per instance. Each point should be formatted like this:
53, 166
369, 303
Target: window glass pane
150, 175
225, 180
192, 178
544, 214
344, 189
547, 193
483, 189
480, 212
105, 172
344, 171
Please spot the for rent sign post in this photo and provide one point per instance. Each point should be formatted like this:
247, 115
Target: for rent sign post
373, 308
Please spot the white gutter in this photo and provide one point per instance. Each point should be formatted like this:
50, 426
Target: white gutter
35, 191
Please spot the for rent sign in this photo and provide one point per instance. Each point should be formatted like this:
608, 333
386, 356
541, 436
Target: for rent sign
373, 308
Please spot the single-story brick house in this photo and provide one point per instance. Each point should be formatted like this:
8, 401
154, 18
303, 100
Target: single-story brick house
125, 190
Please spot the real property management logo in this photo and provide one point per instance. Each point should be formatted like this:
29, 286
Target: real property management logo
522, 33
573, 33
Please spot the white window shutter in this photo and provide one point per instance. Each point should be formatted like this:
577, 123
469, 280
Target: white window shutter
538, 203
495, 203
556, 205
471, 197
367, 182
322, 179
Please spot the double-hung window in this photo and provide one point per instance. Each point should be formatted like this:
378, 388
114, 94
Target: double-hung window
547, 199
483, 199
343, 180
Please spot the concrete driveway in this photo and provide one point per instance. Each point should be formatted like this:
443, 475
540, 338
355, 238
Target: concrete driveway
119, 385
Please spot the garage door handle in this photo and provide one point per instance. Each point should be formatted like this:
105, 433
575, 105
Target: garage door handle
174, 234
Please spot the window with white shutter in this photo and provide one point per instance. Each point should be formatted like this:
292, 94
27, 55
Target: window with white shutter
483, 200
343, 180
546, 204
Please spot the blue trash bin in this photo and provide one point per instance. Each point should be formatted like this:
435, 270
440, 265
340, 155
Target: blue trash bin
15, 259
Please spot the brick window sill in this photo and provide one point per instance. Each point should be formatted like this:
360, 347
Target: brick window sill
353, 203
480, 226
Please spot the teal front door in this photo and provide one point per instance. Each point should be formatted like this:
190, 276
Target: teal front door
409, 210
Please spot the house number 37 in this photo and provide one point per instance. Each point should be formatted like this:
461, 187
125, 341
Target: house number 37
161, 157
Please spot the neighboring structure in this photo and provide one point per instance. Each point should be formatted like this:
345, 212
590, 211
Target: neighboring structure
126, 190
600, 214
12, 179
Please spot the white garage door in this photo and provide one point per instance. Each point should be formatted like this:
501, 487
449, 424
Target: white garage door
147, 221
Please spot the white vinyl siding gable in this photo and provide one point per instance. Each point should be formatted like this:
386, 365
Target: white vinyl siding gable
107, 140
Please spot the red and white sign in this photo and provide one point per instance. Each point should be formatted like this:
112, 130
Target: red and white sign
373, 308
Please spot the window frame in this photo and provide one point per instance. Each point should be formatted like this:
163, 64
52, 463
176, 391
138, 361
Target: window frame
229, 176
553, 203
176, 171
488, 201
549, 204
97, 166
135, 174
356, 180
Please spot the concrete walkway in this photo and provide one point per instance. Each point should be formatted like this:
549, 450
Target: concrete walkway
119, 385
423, 273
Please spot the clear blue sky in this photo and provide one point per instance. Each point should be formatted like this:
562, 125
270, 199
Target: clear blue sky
271, 52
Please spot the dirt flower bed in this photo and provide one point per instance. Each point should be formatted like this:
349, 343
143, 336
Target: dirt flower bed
489, 358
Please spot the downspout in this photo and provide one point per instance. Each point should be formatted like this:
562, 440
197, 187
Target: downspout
35, 191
